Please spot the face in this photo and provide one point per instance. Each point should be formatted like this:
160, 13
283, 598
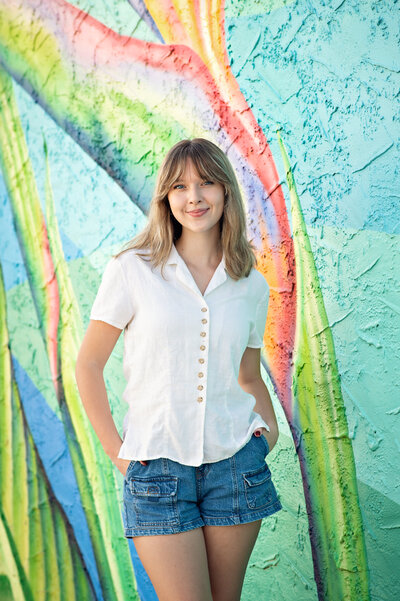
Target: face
192, 193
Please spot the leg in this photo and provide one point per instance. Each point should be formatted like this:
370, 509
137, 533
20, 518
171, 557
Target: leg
176, 565
228, 552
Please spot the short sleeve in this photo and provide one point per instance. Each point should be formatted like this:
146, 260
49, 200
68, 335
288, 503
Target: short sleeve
258, 325
113, 303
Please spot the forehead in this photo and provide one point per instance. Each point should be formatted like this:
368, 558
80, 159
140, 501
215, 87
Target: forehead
188, 170
186, 167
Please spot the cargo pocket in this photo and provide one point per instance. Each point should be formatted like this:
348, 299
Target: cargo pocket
259, 488
155, 500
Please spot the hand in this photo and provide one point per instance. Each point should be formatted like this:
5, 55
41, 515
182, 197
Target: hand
122, 464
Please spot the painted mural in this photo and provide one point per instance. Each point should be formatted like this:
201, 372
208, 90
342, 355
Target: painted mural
301, 96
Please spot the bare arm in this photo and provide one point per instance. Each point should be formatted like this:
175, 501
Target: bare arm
251, 381
97, 345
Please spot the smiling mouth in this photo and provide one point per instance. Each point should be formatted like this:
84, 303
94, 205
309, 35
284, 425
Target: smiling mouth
197, 213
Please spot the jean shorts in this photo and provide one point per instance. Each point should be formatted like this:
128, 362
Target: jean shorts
166, 497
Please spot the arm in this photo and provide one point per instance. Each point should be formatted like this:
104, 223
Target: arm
97, 345
251, 381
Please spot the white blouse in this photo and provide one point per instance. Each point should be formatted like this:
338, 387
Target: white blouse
182, 352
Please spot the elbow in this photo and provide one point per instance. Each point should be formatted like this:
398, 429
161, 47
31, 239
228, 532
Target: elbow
250, 382
83, 365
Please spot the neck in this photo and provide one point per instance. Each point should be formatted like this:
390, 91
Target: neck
200, 250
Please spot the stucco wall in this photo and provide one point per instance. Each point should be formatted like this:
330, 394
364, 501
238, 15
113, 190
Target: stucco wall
320, 81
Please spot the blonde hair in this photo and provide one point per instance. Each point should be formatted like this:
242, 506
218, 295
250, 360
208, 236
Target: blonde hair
162, 229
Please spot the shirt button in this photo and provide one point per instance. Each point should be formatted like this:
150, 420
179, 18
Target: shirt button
200, 387
200, 374
200, 399
203, 334
204, 308
201, 360
202, 348
204, 321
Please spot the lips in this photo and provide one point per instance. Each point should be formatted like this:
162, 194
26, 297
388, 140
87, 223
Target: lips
198, 213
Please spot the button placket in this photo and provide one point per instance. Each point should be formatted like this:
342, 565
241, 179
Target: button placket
203, 348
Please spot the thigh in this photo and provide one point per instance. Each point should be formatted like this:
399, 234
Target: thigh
228, 552
176, 565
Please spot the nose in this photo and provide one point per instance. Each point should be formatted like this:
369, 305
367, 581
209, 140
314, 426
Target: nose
194, 194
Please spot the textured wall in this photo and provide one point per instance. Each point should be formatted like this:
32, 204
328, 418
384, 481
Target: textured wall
302, 96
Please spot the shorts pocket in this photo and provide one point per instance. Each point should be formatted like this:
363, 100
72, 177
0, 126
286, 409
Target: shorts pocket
130, 466
155, 500
264, 442
258, 487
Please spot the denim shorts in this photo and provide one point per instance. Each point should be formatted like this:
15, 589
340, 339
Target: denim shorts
166, 497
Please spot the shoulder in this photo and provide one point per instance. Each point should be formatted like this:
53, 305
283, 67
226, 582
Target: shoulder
127, 265
130, 259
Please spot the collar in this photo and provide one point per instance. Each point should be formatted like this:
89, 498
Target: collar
175, 258
184, 275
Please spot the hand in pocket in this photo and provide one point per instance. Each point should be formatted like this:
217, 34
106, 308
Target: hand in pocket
264, 432
123, 464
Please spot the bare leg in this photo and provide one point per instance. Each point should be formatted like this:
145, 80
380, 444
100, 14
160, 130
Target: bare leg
176, 565
228, 552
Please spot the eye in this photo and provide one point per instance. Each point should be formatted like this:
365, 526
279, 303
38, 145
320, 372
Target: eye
207, 182
177, 186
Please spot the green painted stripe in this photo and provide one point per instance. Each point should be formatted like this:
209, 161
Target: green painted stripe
326, 451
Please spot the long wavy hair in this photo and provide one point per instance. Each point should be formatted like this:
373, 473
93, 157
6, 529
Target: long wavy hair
162, 229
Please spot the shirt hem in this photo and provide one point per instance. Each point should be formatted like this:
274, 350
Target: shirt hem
112, 322
228, 456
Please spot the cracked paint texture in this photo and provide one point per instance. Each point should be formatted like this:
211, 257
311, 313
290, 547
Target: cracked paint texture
326, 76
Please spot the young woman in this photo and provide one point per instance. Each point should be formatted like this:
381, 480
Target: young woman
200, 422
